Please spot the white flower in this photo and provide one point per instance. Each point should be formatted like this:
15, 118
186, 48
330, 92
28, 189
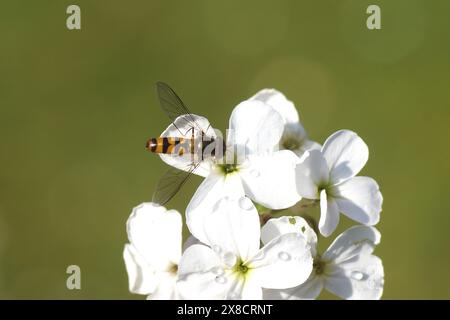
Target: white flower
264, 175
294, 135
152, 256
329, 175
347, 268
231, 264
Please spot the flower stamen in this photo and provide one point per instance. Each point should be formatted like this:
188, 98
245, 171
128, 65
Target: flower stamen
173, 269
228, 168
291, 143
319, 265
241, 269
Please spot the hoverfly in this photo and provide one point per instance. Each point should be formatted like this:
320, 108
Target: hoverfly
194, 142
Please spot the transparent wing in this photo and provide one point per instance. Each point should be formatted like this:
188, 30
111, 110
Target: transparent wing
174, 107
170, 183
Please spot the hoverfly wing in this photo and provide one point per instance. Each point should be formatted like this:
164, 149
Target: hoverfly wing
170, 183
174, 107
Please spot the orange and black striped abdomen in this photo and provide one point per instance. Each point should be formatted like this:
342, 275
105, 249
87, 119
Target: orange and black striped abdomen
165, 145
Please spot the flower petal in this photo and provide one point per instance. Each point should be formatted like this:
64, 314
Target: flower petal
244, 289
201, 274
309, 290
202, 286
214, 188
294, 135
191, 240
276, 227
148, 226
182, 128
284, 262
141, 278
270, 180
360, 278
233, 227
307, 145
278, 101
256, 126
346, 154
311, 172
354, 241
360, 199
198, 258
329, 214
294, 138
167, 288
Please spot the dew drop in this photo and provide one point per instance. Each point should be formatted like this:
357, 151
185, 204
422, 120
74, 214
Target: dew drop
357, 275
284, 256
217, 249
218, 271
229, 259
245, 203
221, 279
255, 173
217, 205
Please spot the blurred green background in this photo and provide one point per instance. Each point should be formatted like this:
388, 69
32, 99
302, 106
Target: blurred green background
77, 107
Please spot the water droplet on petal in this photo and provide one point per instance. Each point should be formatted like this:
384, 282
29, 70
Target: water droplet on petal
255, 173
221, 279
284, 256
217, 249
245, 203
218, 271
216, 206
357, 275
229, 259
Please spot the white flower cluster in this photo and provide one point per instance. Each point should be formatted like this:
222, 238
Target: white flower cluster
229, 255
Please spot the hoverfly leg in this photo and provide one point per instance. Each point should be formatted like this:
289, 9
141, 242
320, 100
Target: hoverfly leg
190, 129
192, 143
177, 128
209, 126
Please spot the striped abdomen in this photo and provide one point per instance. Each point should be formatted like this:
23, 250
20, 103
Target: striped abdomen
169, 145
